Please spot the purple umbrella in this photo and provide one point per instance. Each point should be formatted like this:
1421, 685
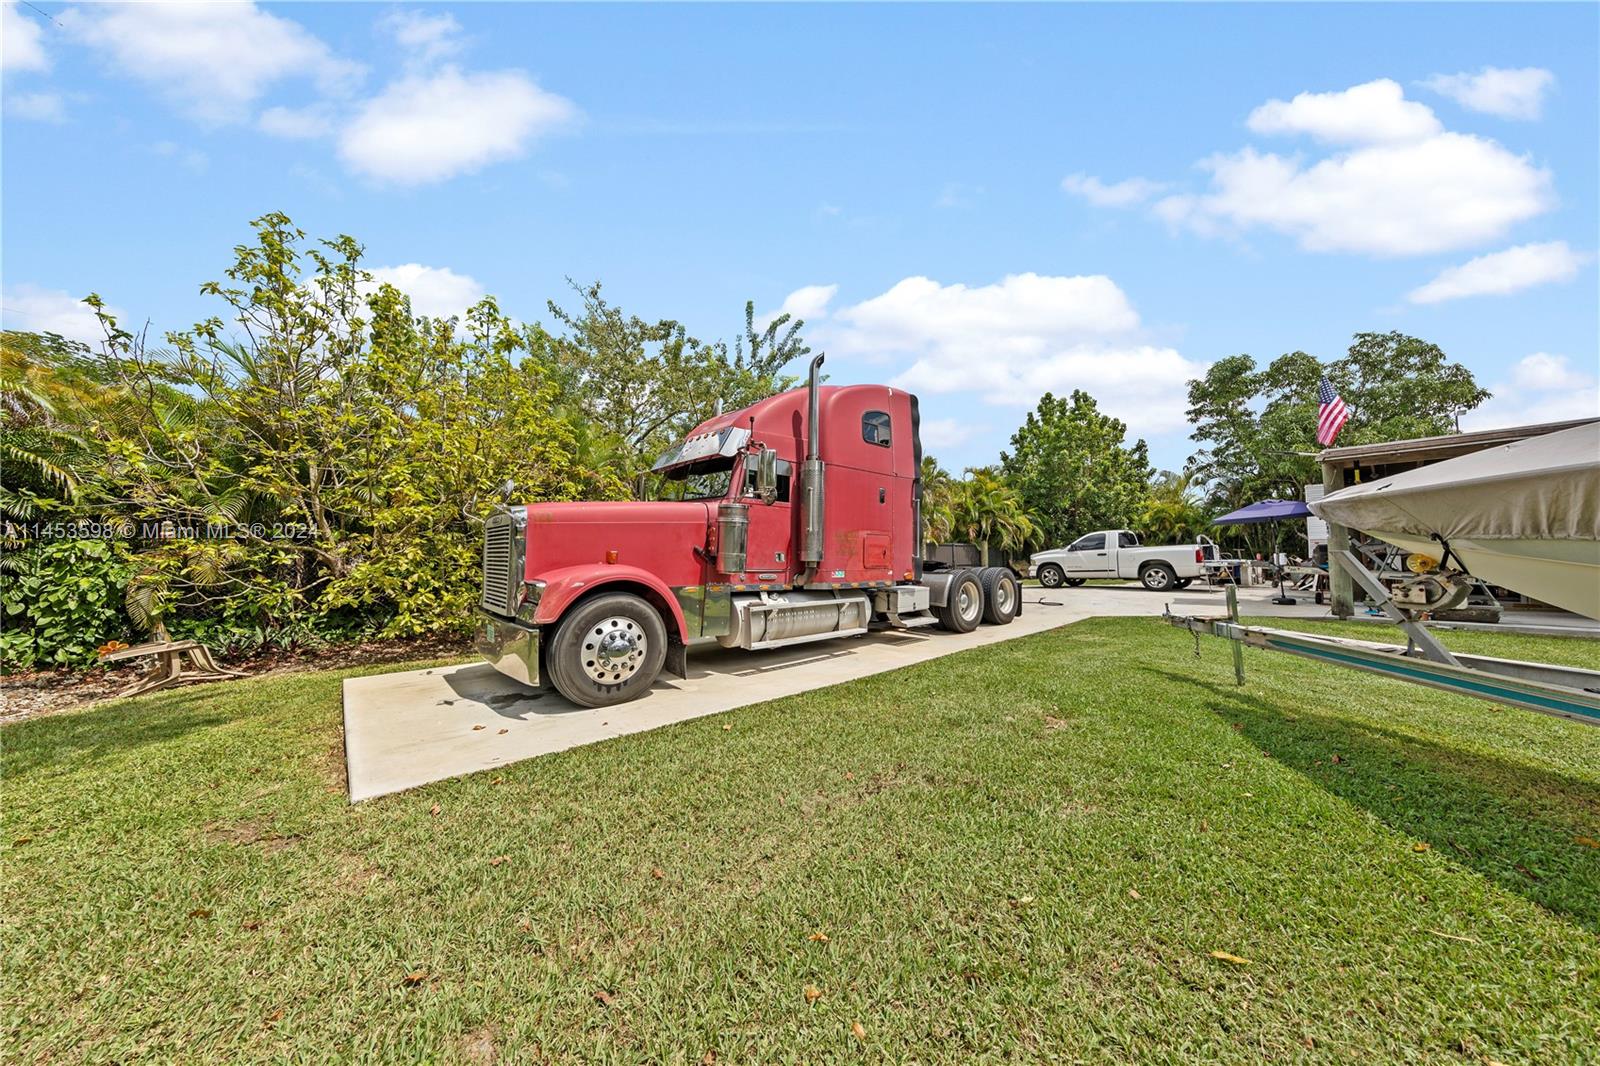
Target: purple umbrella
1264, 511
1267, 511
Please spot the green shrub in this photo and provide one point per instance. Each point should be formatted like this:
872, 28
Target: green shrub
62, 600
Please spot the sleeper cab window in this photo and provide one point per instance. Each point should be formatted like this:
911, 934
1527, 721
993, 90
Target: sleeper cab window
875, 428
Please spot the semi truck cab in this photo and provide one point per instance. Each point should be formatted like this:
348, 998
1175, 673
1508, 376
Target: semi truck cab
798, 519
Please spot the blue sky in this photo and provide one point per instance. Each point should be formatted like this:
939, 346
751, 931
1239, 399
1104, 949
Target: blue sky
976, 202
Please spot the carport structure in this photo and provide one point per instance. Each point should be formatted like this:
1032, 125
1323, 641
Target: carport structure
1342, 467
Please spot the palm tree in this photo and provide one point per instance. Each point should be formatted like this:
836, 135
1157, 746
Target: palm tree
990, 513
938, 501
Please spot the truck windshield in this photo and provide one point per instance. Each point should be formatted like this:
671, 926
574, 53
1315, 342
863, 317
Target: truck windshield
707, 479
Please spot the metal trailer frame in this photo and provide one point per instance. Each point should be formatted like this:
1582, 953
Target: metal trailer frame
1562, 691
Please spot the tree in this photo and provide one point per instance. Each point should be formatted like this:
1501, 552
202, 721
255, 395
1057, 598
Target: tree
1258, 427
1172, 514
1073, 469
991, 514
646, 384
938, 501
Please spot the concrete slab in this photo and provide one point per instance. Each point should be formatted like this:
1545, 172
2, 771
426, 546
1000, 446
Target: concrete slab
407, 729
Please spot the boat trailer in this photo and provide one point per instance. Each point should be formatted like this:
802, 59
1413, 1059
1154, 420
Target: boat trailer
1563, 691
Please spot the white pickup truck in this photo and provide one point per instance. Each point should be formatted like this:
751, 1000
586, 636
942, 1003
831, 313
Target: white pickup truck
1116, 553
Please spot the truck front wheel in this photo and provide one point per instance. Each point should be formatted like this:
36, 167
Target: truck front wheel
1052, 576
963, 605
1158, 577
607, 650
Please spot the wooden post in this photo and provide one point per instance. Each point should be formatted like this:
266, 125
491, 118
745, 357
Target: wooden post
1238, 647
1341, 589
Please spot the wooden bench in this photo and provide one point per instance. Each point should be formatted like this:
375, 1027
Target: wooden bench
168, 669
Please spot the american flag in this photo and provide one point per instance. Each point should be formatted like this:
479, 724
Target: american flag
1331, 416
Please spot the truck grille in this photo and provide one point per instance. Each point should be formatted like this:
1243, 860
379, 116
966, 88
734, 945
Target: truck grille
500, 577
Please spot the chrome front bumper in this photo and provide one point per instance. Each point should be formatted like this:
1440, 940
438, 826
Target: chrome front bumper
510, 647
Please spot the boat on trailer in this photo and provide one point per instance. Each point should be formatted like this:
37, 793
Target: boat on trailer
1525, 516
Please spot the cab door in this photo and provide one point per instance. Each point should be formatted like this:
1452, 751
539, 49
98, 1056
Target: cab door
769, 555
1088, 557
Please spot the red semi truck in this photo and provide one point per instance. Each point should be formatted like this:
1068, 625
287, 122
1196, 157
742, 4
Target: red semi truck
801, 520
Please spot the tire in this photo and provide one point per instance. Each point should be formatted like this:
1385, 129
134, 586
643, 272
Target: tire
963, 607
1002, 595
1076, 582
1158, 577
618, 623
1051, 576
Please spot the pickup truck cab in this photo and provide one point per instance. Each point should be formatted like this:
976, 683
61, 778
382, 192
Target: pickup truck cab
1117, 553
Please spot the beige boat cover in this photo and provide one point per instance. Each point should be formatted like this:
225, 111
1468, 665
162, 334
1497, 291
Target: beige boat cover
1541, 488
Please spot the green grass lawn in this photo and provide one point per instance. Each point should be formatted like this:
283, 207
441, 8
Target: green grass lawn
1025, 851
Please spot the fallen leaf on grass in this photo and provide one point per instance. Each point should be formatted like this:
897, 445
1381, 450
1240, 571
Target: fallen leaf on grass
200, 912
849, 775
1588, 842
1453, 936
1021, 901
1420, 846
818, 937
525, 925
434, 810
17, 843
415, 978
1337, 759
270, 1020
603, 998
727, 727
657, 872
498, 781
709, 1058
498, 859
859, 1030
251, 924
812, 994
1133, 893
478, 727
1227, 957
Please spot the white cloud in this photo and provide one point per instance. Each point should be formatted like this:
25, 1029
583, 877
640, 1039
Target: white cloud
191, 158
1008, 342
1436, 195
1402, 186
428, 38
425, 129
1499, 273
296, 123
212, 60
946, 432
21, 41
39, 310
1125, 193
1517, 94
437, 292
1541, 388
40, 107
810, 302
1374, 113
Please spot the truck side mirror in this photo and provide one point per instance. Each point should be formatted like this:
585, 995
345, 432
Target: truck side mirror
767, 475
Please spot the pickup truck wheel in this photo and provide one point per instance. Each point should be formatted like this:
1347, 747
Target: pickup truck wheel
1158, 577
963, 606
1002, 596
607, 650
1076, 582
1052, 576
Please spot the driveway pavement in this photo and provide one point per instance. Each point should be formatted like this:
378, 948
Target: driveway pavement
407, 729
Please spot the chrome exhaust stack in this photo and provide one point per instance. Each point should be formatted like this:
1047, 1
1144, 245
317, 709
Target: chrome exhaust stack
813, 476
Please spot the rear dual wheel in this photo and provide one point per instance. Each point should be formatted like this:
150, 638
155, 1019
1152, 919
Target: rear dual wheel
963, 603
1002, 595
